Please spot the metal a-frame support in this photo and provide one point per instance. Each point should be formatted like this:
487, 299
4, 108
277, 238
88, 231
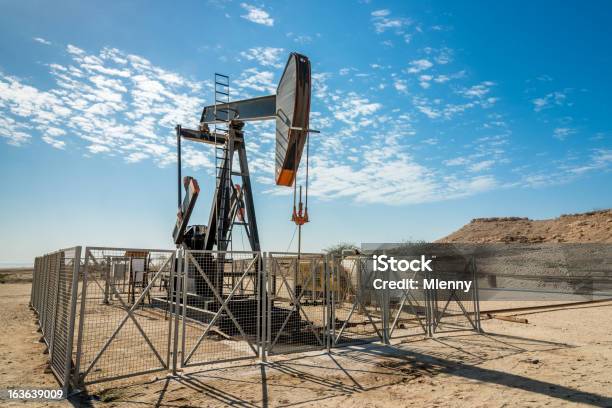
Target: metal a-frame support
232, 201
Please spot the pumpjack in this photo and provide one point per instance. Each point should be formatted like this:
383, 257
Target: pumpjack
221, 125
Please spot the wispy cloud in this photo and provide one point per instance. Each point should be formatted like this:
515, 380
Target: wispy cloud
353, 106
557, 98
417, 66
265, 56
110, 103
256, 80
121, 105
41, 40
301, 39
481, 166
400, 85
477, 91
257, 15
383, 21
563, 133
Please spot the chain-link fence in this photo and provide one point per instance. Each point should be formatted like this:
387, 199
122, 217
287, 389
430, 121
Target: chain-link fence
53, 297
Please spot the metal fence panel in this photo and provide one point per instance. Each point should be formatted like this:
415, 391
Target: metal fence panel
53, 297
67, 264
51, 293
357, 314
298, 302
409, 311
124, 320
221, 317
451, 308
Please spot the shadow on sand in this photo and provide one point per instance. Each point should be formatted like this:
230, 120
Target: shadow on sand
402, 363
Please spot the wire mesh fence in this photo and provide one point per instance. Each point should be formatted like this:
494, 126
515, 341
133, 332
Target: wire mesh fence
409, 311
357, 313
455, 308
124, 312
298, 303
124, 320
53, 297
221, 317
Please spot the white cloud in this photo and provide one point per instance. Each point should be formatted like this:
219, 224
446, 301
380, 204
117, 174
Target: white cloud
58, 144
42, 40
381, 13
477, 91
458, 161
301, 39
74, 50
554, 98
444, 56
260, 81
110, 103
417, 66
482, 165
265, 56
257, 15
429, 111
353, 106
400, 85
383, 22
135, 157
562, 133
15, 134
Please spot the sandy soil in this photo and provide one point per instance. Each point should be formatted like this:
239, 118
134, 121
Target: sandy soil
15, 275
562, 357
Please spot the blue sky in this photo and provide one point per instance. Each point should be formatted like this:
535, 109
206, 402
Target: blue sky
431, 113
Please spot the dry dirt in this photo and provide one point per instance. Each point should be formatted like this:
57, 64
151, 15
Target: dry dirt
562, 357
594, 226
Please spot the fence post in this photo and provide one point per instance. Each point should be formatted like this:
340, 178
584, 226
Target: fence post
386, 304
428, 308
326, 312
262, 310
271, 277
476, 295
184, 271
176, 289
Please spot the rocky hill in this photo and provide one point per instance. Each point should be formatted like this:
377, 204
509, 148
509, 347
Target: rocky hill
593, 226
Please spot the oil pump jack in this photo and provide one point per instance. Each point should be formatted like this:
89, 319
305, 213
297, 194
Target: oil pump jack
221, 125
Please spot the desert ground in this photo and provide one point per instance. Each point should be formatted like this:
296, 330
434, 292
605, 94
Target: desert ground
561, 357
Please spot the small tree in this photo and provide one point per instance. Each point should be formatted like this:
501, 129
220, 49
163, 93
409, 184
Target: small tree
339, 248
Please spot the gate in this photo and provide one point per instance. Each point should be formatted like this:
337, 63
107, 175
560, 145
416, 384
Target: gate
297, 303
221, 317
124, 322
